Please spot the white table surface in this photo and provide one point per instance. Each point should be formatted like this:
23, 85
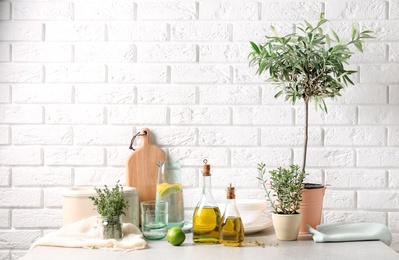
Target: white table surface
303, 248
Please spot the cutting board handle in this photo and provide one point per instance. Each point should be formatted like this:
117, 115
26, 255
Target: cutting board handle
145, 136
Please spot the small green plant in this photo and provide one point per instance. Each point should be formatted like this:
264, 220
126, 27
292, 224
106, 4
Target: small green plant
286, 186
307, 65
110, 202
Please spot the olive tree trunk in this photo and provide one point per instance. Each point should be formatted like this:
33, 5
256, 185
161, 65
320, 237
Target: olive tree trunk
305, 148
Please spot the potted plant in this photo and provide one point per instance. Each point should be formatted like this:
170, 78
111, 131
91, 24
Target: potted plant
287, 185
111, 204
308, 66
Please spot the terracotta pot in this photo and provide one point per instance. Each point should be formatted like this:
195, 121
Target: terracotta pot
311, 206
286, 227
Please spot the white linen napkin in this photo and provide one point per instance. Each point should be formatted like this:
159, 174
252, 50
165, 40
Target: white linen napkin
350, 231
84, 234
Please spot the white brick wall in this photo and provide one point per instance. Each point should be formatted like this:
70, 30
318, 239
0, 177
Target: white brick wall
78, 78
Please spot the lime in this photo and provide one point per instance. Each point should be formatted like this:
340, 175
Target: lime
175, 236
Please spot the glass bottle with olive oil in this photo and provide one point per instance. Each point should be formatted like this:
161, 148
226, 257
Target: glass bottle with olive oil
232, 229
206, 218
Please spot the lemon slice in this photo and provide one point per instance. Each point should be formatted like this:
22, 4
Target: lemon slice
164, 189
162, 186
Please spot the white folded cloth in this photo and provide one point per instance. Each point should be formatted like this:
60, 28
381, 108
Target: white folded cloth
84, 234
350, 231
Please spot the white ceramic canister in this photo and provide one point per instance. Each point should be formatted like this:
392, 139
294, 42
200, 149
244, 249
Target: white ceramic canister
77, 205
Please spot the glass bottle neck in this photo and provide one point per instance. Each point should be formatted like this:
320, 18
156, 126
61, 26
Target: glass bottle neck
206, 186
207, 189
231, 203
231, 209
207, 197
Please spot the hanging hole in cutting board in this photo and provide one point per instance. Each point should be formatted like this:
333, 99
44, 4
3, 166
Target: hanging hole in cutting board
134, 137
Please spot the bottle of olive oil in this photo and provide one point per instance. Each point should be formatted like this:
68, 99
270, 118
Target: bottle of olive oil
232, 229
206, 218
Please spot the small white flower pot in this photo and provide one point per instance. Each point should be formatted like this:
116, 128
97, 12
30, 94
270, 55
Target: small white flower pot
286, 227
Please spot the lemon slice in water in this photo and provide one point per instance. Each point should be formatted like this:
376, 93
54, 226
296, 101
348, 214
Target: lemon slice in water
162, 186
164, 189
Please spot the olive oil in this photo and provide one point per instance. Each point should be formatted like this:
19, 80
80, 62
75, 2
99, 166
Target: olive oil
206, 223
232, 232
232, 229
206, 217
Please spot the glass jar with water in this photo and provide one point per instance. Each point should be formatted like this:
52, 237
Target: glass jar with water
170, 189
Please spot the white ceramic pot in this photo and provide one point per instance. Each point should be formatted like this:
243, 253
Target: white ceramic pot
286, 227
76, 204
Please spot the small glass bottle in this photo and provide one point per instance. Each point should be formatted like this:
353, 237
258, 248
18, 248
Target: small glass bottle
206, 217
232, 229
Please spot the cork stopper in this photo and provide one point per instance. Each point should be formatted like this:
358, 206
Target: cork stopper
206, 168
231, 192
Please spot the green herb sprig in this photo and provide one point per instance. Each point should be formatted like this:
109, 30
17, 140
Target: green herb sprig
287, 185
261, 244
110, 202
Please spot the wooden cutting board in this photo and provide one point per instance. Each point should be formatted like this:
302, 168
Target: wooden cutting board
142, 169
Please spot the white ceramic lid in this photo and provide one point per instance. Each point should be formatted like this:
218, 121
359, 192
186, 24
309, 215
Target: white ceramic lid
85, 191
